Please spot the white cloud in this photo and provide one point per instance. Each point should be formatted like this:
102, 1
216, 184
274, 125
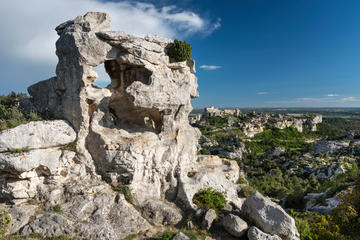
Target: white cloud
210, 67
262, 93
331, 95
27, 27
350, 99
314, 100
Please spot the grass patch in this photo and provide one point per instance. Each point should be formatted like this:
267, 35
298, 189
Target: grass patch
57, 208
70, 146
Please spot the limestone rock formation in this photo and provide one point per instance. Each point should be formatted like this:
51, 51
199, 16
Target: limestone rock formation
123, 156
270, 217
256, 234
39, 134
135, 131
235, 225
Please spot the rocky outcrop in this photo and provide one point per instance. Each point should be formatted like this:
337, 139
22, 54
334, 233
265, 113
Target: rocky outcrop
209, 218
35, 135
123, 156
256, 234
235, 225
210, 171
270, 217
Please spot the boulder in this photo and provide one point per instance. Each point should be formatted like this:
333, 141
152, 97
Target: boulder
234, 225
210, 171
21, 215
180, 236
35, 135
49, 224
161, 213
209, 218
270, 217
256, 234
17, 163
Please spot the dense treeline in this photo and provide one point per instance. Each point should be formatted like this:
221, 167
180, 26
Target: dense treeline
11, 115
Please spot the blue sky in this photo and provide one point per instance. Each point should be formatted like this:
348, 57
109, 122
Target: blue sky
253, 53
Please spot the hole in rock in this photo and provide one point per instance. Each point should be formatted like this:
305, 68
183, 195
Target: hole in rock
103, 79
121, 106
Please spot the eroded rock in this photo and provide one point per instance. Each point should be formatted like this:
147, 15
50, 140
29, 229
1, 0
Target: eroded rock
270, 217
235, 225
35, 135
256, 234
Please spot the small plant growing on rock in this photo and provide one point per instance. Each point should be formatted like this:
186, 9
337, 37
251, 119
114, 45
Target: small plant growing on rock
209, 198
5, 220
180, 51
246, 191
57, 208
126, 192
70, 147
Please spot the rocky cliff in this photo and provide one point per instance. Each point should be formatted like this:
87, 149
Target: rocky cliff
133, 136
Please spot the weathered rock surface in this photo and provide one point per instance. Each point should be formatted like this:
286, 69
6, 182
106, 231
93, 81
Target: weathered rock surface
209, 218
210, 171
256, 234
234, 225
270, 217
160, 212
38, 134
134, 134
180, 236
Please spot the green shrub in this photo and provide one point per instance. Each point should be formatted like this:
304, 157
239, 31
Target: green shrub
180, 51
11, 115
246, 191
209, 198
5, 220
125, 191
57, 208
167, 235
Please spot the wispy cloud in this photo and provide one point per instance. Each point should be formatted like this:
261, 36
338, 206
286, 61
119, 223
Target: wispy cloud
331, 95
210, 67
329, 100
350, 99
35, 20
262, 93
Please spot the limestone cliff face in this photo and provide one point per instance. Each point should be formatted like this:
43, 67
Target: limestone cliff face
135, 131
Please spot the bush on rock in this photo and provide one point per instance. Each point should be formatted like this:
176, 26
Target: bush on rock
180, 51
209, 198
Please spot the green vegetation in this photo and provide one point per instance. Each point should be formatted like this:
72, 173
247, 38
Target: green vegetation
57, 208
17, 150
342, 224
126, 192
180, 51
338, 128
289, 138
5, 220
11, 115
70, 146
195, 234
209, 198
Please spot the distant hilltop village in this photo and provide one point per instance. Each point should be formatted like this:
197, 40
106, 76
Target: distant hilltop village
254, 123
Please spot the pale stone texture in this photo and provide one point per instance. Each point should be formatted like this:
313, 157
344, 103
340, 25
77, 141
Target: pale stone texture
256, 234
209, 218
38, 134
235, 225
270, 217
180, 236
210, 171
